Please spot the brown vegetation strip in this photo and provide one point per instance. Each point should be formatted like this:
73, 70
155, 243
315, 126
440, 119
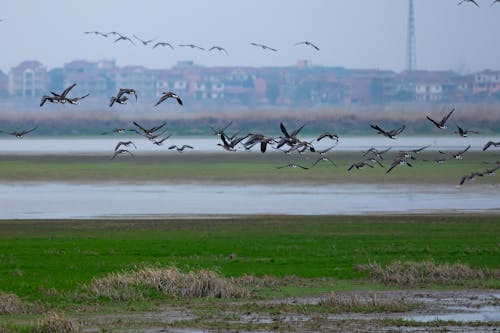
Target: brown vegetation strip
410, 274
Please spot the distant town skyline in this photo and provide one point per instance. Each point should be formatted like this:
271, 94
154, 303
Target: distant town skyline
351, 34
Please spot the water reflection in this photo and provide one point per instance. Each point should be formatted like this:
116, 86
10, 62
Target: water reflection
31, 145
69, 200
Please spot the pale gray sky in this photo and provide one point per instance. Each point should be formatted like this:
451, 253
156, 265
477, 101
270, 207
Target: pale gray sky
350, 33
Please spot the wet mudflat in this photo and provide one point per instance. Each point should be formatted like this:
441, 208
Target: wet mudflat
48, 200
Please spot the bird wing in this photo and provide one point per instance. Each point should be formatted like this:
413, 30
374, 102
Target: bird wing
463, 151
393, 165
67, 90
162, 98
377, 127
445, 119
28, 131
283, 130
296, 131
433, 121
487, 145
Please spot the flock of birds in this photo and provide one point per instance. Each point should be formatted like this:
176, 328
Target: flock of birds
288, 142
147, 42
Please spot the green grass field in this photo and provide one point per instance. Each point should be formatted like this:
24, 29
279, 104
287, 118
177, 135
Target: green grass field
254, 167
37, 256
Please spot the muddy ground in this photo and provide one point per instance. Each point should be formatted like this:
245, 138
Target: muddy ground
423, 311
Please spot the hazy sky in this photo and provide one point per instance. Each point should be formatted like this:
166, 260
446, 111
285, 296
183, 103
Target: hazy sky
350, 33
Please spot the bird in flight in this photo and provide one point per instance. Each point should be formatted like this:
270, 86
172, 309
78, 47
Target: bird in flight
309, 44
120, 98
192, 46
491, 143
75, 100
469, 177
457, 155
441, 124
123, 38
121, 151
169, 94
180, 149
144, 42
97, 33
218, 48
264, 47
292, 165
390, 134
20, 134
494, 2
163, 44
471, 1
124, 143
464, 132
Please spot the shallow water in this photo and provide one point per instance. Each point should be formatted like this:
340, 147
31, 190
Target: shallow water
69, 200
33, 145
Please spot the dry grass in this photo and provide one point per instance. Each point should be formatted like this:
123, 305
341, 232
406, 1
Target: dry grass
11, 304
339, 303
56, 323
170, 281
410, 273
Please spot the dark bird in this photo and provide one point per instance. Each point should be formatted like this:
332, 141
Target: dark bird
122, 151
441, 124
376, 152
328, 135
390, 134
20, 134
371, 160
169, 94
359, 165
264, 47
114, 33
469, 177
230, 145
218, 48
491, 172
464, 132
128, 91
192, 46
257, 138
494, 2
491, 143
144, 42
117, 131
75, 100
289, 139
471, 1
180, 149
220, 131
309, 44
97, 33
124, 143
163, 44
57, 98
292, 165
51, 99
323, 158
398, 161
457, 155
161, 141
122, 100
123, 38
149, 131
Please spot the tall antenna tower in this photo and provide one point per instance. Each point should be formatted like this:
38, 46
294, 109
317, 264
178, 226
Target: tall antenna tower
411, 51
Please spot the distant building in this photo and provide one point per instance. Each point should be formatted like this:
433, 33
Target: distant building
487, 83
4, 84
28, 79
